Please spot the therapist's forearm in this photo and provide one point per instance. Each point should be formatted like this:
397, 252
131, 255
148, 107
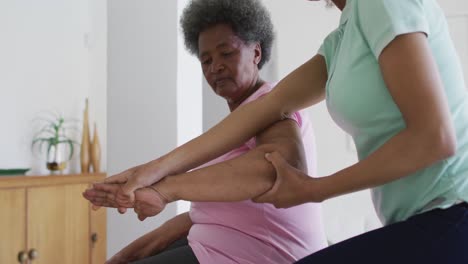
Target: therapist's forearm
237, 128
404, 154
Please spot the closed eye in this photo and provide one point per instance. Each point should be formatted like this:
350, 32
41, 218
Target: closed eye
206, 62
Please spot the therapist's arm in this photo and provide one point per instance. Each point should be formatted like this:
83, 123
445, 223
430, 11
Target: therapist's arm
413, 80
412, 77
303, 87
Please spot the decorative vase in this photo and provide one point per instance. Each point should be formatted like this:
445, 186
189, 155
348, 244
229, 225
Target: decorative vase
84, 154
95, 151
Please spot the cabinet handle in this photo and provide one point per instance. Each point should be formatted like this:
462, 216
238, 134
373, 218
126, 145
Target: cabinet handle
22, 257
33, 254
94, 237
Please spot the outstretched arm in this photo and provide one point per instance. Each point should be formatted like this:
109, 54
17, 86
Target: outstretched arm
240, 178
303, 87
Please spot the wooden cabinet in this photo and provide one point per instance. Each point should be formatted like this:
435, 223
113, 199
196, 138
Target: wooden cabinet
46, 219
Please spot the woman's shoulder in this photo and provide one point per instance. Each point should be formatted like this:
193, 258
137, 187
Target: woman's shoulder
380, 21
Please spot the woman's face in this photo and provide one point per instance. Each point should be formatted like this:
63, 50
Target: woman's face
229, 64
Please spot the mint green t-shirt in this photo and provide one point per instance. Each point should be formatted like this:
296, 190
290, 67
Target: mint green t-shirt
360, 103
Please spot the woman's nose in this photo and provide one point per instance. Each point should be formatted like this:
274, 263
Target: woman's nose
217, 67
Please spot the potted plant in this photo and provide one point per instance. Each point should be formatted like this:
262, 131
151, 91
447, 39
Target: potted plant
53, 137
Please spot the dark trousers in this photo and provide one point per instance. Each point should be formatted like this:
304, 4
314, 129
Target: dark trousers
177, 252
438, 236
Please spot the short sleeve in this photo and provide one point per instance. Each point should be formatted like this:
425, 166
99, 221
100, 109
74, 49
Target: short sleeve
296, 116
381, 21
329, 46
321, 50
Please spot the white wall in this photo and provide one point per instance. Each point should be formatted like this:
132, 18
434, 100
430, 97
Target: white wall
457, 18
154, 98
46, 64
189, 95
96, 42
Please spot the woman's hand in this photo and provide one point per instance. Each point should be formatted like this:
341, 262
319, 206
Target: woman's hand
292, 187
148, 201
104, 195
135, 178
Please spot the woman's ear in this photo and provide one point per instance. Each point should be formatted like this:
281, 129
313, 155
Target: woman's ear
257, 53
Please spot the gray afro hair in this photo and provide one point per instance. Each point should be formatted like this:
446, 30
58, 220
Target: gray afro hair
249, 20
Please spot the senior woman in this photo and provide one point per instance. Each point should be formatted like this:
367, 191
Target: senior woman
232, 40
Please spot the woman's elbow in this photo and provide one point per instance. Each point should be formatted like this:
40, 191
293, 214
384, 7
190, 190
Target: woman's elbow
449, 147
444, 143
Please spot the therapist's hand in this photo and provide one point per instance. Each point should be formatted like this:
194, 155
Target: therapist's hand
291, 187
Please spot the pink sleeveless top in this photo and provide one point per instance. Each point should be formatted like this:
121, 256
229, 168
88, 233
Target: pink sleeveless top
246, 232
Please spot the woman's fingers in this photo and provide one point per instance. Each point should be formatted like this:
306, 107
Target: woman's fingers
141, 217
92, 193
119, 178
276, 160
106, 187
127, 190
